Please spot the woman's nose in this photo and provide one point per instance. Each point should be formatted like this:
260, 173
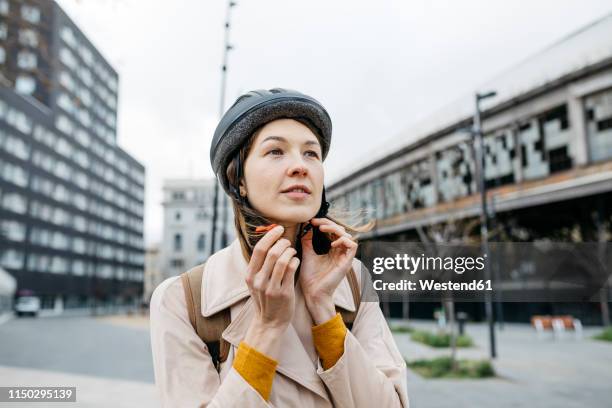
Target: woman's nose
297, 167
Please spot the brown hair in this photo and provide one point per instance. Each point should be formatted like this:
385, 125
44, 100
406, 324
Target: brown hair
247, 219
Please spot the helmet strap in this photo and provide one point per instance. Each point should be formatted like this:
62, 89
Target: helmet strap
324, 206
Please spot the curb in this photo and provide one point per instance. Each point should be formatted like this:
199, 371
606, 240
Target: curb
6, 317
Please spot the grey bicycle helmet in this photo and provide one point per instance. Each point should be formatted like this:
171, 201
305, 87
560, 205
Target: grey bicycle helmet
253, 110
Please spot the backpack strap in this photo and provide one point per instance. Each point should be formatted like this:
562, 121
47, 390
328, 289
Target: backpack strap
347, 316
210, 328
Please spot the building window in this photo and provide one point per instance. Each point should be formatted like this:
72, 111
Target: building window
15, 174
64, 124
67, 58
12, 259
455, 169
17, 147
25, 85
4, 7
67, 81
178, 195
68, 36
178, 242
14, 202
177, 263
26, 60
78, 268
30, 14
27, 37
2, 55
201, 242
13, 230
3, 31
177, 216
599, 125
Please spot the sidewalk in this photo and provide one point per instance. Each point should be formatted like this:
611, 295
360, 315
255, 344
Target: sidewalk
531, 372
133, 321
5, 317
91, 392
87, 311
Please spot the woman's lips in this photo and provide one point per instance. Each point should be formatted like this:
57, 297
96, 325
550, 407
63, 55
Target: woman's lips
296, 195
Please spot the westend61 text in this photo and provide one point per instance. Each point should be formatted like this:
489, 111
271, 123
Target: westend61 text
428, 284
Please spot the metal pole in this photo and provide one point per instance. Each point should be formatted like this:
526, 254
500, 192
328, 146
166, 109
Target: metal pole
226, 48
484, 220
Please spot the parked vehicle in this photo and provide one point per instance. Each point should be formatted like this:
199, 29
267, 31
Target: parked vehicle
27, 305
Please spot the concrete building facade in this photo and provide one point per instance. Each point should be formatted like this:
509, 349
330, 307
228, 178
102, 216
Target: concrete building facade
71, 200
188, 224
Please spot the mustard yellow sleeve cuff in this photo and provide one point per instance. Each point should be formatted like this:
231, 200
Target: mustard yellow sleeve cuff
256, 368
328, 338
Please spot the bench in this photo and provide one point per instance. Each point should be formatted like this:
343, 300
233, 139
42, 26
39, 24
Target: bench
557, 324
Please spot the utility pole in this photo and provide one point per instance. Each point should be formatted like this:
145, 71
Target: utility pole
484, 217
226, 48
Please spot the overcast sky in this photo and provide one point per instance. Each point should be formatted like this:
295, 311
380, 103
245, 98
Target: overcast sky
377, 66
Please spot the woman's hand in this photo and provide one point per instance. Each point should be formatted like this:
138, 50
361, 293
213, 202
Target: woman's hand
320, 274
270, 279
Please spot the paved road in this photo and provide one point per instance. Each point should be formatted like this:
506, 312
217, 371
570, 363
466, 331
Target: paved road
78, 345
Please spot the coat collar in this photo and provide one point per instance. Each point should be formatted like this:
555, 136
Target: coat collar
223, 283
295, 361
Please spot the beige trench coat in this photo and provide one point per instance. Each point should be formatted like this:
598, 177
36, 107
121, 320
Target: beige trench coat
370, 373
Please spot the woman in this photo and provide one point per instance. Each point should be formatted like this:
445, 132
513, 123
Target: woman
289, 346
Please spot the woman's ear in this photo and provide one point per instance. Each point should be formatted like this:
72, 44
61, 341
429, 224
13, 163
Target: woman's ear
242, 188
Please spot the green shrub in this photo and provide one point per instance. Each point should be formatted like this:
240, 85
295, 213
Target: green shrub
441, 367
439, 339
401, 329
464, 341
605, 335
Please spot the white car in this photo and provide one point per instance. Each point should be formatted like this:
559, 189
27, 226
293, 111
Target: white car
27, 305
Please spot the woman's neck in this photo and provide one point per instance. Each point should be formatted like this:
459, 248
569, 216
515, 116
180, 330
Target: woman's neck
291, 232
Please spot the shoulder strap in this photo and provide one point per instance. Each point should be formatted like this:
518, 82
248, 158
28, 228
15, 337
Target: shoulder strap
347, 316
210, 328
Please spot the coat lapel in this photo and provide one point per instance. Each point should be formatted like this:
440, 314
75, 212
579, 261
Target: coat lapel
294, 361
223, 280
223, 286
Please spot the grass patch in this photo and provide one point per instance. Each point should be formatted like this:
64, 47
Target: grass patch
441, 367
401, 329
440, 339
605, 335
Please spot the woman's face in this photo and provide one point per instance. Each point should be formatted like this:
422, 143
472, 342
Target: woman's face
284, 172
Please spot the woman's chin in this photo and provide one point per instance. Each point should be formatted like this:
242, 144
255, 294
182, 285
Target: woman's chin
293, 217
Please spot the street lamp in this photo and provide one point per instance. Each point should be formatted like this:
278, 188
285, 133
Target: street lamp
484, 217
226, 48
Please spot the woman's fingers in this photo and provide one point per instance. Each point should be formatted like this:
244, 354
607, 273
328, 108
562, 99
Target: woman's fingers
262, 277
320, 221
334, 229
345, 242
260, 251
289, 277
347, 246
279, 268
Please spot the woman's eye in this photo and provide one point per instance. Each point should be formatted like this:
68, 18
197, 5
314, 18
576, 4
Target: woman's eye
275, 151
313, 153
